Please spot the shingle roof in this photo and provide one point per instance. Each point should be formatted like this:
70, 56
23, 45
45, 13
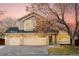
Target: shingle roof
12, 30
16, 30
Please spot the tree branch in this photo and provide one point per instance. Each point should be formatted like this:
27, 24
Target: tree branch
76, 19
62, 13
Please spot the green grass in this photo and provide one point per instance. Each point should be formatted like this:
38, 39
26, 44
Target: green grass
64, 50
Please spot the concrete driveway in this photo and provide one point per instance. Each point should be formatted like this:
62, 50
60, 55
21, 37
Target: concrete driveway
23, 51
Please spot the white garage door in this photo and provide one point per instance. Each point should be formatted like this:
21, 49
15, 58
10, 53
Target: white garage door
14, 41
35, 41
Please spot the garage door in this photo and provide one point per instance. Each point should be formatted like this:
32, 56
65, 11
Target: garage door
35, 41
14, 41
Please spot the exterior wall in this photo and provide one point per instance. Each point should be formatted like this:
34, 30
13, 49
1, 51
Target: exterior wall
21, 26
26, 39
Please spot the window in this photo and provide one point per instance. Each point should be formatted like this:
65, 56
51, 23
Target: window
29, 24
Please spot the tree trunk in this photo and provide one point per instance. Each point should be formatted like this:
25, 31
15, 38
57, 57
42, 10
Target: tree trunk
73, 42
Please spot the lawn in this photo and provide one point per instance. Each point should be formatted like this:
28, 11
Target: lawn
64, 50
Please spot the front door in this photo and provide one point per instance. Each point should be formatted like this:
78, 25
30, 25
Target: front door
50, 40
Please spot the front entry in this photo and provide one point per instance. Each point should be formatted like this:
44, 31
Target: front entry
52, 39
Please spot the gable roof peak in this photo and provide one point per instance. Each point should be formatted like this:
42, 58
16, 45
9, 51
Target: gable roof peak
30, 14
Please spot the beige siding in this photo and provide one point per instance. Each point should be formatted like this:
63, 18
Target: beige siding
21, 26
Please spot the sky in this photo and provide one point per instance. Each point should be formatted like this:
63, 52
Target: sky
12, 10
18, 10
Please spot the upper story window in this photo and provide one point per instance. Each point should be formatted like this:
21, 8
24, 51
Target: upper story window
30, 24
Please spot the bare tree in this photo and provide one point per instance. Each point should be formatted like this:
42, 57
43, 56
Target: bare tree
45, 24
2, 27
9, 22
59, 11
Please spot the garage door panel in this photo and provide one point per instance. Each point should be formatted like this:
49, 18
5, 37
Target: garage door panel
14, 41
35, 41
26, 40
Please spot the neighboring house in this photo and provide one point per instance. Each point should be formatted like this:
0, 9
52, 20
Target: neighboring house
24, 34
2, 30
